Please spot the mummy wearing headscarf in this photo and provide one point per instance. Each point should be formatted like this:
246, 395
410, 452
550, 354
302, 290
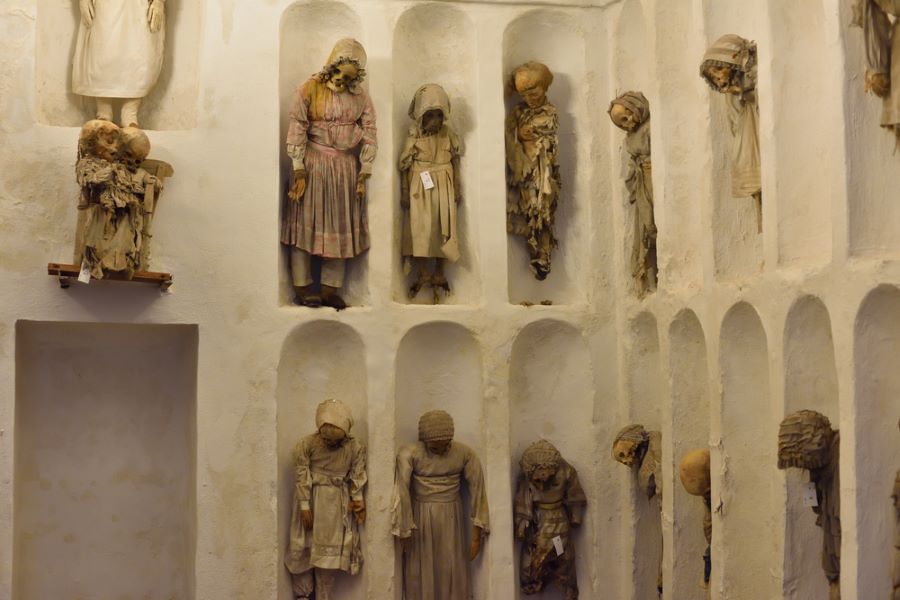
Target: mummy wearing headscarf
430, 190
807, 441
880, 21
631, 113
730, 67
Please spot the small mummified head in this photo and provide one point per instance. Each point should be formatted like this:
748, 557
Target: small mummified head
532, 80
345, 68
430, 108
135, 147
100, 139
333, 420
729, 65
695, 473
630, 445
804, 440
436, 431
540, 461
629, 111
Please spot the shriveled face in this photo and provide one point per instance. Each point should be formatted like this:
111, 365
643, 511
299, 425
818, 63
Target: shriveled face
626, 452
332, 435
342, 76
543, 473
720, 76
531, 88
136, 147
438, 446
623, 118
432, 120
108, 142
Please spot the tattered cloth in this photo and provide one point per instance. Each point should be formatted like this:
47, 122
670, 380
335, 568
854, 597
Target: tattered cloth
336, 413
731, 51
539, 454
635, 102
436, 425
804, 440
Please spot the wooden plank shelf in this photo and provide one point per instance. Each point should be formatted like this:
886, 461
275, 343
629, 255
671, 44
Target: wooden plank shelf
69, 272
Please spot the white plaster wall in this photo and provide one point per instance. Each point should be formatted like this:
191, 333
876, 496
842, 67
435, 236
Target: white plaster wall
217, 230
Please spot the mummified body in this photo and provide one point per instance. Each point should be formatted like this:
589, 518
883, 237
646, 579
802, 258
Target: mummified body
430, 189
332, 144
696, 479
330, 468
549, 503
730, 67
533, 179
427, 513
631, 113
639, 449
880, 20
807, 441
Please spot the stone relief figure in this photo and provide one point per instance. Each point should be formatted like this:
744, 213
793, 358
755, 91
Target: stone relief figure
880, 20
430, 190
549, 503
630, 112
730, 67
427, 513
807, 441
329, 507
119, 54
694, 471
331, 142
532, 158
117, 200
639, 449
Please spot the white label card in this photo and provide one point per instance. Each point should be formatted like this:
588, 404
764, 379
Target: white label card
809, 495
84, 276
558, 545
427, 181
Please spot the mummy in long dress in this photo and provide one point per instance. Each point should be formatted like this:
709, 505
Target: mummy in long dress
430, 189
331, 142
330, 469
880, 20
427, 513
119, 54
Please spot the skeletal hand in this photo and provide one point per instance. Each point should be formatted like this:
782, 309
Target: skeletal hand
307, 517
155, 14
475, 547
358, 508
361, 185
298, 186
87, 12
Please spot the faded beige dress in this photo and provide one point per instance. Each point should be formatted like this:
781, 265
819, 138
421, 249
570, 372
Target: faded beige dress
880, 20
427, 507
327, 480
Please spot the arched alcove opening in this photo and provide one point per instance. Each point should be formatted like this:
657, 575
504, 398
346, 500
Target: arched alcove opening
749, 462
808, 157
552, 397
308, 33
876, 348
810, 382
319, 360
645, 392
435, 43
558, 40
688, 371
737, 243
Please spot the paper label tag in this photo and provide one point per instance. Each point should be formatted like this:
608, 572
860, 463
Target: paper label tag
426, 180
810, 498
558, 545
84, 276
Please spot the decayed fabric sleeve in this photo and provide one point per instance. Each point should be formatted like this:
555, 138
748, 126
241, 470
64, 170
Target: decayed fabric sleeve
457, 148
408, 153
576, 500
522, 503
477, 492
369, 144
402, 521
877, 36
358, 477
298, 126
303, 476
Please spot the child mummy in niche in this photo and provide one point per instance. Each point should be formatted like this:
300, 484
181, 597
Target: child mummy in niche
430, 190
532, 158
696, 479
630, 112
807, 441
332, 145
427, 513
330, 469
730, 68
639, 449
549, 503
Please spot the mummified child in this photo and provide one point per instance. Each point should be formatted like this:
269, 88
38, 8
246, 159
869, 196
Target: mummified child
430, 190
549, 503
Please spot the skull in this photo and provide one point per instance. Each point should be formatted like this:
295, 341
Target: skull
332, 434
341, 76
720, 75
622, 117
432, 121
101, 139
532, 80
626, 452
136, 147
694, 471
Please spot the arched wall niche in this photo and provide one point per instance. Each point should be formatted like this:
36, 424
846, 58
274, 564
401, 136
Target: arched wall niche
645, 392
319, 360
748, 462
439, 366
308, 33
552, 397
172, 104
558, 40
688, 368
810, 383
435, 43
808, 157
737, 244
876, 348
